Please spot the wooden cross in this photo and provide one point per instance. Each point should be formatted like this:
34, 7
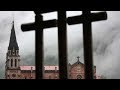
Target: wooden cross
87, 18
39, 25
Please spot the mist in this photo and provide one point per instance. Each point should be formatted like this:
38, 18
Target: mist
106, 42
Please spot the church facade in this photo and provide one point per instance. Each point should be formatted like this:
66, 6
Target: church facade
14, 70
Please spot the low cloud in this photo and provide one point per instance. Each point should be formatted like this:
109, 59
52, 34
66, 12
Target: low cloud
106, 42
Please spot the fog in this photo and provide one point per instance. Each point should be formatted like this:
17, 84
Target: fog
106, 42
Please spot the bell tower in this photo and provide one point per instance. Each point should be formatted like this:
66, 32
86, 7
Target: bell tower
12, 57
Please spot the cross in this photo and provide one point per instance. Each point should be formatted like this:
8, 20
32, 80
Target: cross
78, 58
87, 18
39, 25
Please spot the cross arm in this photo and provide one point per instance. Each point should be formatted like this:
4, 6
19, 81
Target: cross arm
86, 18
44, 24
28, 27
50, 23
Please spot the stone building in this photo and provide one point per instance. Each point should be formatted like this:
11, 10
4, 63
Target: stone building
14, 70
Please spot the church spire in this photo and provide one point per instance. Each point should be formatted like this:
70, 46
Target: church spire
13, 41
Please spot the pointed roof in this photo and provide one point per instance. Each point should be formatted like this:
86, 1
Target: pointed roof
13, 41
77, 63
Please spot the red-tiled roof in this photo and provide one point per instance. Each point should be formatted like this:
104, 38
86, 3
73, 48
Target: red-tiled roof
51, 68
27, 67
33, 67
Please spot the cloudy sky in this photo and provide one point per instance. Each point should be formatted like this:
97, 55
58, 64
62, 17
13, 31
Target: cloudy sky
106, 41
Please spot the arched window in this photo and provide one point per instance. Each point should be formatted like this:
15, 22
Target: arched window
79, 77
15, 62
17, 52
11, 62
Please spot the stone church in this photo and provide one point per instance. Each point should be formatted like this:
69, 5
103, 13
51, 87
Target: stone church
14, 70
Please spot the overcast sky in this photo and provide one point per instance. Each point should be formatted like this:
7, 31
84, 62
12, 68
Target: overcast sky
106, 41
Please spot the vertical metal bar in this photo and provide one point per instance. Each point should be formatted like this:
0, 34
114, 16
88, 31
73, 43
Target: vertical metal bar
62, 42
88, 54
39, 46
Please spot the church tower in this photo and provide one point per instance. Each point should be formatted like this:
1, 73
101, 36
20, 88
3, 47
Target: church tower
12, 58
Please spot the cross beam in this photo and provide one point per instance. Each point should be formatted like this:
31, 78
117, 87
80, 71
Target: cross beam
44, 24
87, 18
92, 17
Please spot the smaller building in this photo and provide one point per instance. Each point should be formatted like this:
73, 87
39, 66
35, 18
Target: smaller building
77, 70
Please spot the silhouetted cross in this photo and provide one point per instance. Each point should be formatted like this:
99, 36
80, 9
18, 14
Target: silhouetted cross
38, 26
87, 18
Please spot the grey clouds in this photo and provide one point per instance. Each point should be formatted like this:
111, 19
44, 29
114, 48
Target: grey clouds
106, 42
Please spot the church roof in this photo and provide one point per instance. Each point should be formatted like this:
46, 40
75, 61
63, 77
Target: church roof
13, 41
33, 67
51, 68
77, 63
27, 68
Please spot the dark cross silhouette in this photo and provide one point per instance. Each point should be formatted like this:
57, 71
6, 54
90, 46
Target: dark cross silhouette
87, 18
38, 26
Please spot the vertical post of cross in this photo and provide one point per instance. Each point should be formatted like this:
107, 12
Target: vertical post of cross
62, 42
87, 36
39, 45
